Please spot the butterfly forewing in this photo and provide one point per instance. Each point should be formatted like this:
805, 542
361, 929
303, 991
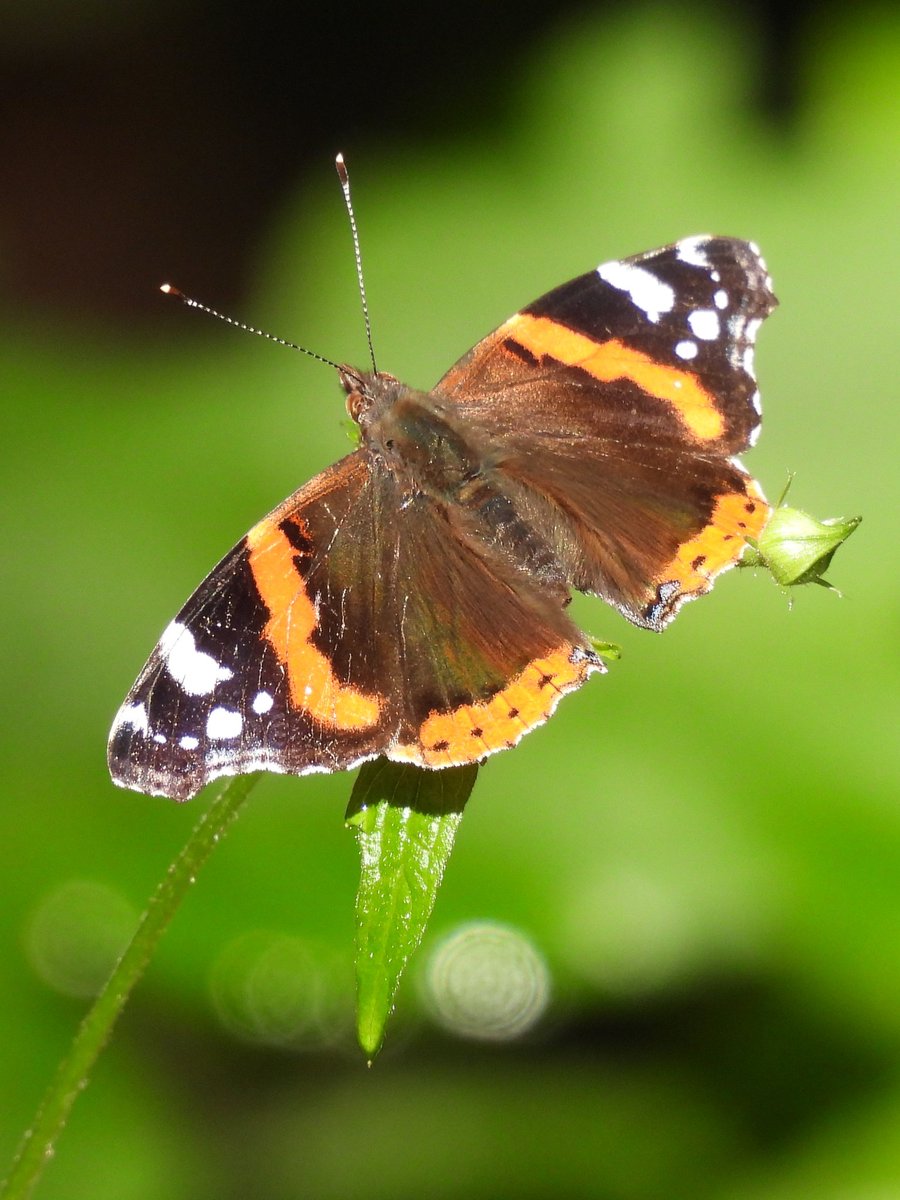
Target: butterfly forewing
346, 624
620, 398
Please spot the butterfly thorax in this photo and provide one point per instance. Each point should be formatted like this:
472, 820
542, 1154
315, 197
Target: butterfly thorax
416, 437
435, 457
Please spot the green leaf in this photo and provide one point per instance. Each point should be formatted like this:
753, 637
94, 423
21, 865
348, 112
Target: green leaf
611, 651
405, 820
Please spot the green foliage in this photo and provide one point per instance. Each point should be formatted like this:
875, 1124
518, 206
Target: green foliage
704, 844
76, 1066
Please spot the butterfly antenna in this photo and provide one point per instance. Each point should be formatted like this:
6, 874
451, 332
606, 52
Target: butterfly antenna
170, 290
344, 177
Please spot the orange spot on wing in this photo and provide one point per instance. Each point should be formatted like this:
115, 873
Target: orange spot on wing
610, 360
471, 731
292, 620
720, 544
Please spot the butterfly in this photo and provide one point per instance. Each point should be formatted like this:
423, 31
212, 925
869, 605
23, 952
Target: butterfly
411, 600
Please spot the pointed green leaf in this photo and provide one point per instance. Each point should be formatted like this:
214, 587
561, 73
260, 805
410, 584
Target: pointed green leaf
406, 820
611, 651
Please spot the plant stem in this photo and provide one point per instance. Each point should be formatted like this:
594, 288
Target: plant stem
94, 1032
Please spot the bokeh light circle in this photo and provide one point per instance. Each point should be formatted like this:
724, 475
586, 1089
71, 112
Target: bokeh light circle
76, 934
488, 982
279, 990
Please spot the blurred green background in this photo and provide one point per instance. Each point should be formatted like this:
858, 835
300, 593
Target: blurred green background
666, 958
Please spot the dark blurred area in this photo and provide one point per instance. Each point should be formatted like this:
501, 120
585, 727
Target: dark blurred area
160, 142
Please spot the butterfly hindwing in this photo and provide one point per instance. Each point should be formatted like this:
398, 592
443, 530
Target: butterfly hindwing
485, 652
616, 402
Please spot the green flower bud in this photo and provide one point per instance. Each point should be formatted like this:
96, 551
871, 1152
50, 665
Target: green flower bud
797, 548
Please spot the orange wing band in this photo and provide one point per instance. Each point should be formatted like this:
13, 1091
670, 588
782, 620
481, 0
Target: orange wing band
610, 360
720, 544
468, 733
313, 685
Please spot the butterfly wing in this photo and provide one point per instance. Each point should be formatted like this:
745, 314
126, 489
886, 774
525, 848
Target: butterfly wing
484, 652
348, 623
224, 692
617, 402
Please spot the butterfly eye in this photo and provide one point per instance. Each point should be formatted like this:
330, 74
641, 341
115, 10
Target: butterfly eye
356, 405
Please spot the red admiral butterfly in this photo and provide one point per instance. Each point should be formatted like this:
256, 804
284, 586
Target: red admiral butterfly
410, 601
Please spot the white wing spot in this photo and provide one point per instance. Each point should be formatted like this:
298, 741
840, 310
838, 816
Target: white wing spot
748, 359
160, 738
189, 742
686, 350
693, 250
134, 715
262, 703
649, 294
224, 723
721, 298
704, 324
193, 670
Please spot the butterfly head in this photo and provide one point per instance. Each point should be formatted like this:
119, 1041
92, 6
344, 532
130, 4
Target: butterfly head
369, 395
